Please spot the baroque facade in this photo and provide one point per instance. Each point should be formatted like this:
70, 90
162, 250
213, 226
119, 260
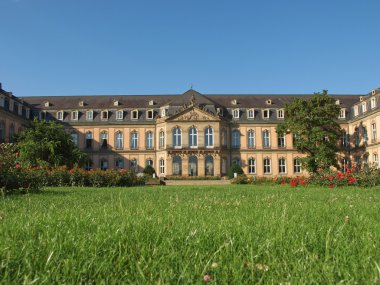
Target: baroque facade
191, 134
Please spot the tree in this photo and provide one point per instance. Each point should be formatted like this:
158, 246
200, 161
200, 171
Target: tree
47, 143
313, 122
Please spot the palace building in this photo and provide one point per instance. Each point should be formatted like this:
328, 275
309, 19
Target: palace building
191, 134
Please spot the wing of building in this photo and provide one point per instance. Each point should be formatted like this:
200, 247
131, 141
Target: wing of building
191, 133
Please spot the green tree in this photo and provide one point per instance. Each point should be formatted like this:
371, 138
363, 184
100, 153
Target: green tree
47, 143
313, 122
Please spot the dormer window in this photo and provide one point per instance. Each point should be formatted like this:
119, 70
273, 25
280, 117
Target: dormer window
219, 111
149, 114
81, 103
342, 113
135, 114
251, 113
235, 113
104, 115
119, 114
364, 107
74, 115
151, 102
337, 102
373, 103
116, 103
234, 102
163, 112
356, 111
361, 98
46, 104
268, 102
60, 115
280, 113
266, 113
89, 115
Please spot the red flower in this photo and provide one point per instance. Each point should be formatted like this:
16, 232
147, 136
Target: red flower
330, 178
17, 165
283, 183
351, 180
294, 183
302, 182
331, 186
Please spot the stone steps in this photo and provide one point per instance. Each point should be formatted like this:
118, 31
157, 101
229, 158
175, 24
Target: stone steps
197, 182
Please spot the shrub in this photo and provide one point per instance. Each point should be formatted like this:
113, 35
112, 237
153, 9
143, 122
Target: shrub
149, 170
241, 179
235, 168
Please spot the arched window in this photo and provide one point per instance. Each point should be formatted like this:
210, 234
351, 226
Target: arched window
365, 134
235, 139
149, 140
251, 139
2, 132
297, 165
177, 165
119, 163
251, 166
344, 141
149, 162
119, 141
134, 140
193, 166
209, 137
134, 166
209, 166
103, 164
74, 137
266, 139
89, 139
375, 159
88, 165
162, 166
267, 166
193, 137
282, 165
177, 137
162, 139
104, 139
224, 137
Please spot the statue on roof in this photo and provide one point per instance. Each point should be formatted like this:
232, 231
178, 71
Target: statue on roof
192, 100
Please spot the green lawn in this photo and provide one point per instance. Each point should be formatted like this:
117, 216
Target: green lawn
240, 234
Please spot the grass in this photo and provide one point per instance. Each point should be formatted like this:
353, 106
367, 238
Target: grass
238, 234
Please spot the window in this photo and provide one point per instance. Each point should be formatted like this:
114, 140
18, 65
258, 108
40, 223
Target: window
88, 140
149, 114
224, 137
251, 114
365, 134
134, 140
103, 164
236, 161
342, 113
209, 166
295, 139
373, 103
177, 136
74, 115
74, 137
11, 133
162, 166
280, 114
27, 113
119, 115
149, 140
364, 107
177, 165
251, 138
251, 166
104, 139
193, 137
266, 114
162, 139
356, 137
266, 139
235, 139
119, 140
119, 163
282, 165
116, 103
356, 111
297, 165
88, 165
81, 103
60, 115
374, 132
235, 113
193, 166
281, 140
344, 143
134, 166
375, 160
89, 115
149, 162
345, 164
209, 139
163, 112
104, 115
151, 102
267, 166
135, 114
43, 115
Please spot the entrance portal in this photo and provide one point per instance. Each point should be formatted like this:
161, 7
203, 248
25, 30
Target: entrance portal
193, 166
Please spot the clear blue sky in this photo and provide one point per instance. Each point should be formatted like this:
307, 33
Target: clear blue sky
75, 47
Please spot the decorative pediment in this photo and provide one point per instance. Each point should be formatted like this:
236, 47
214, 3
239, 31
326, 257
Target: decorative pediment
193, 114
